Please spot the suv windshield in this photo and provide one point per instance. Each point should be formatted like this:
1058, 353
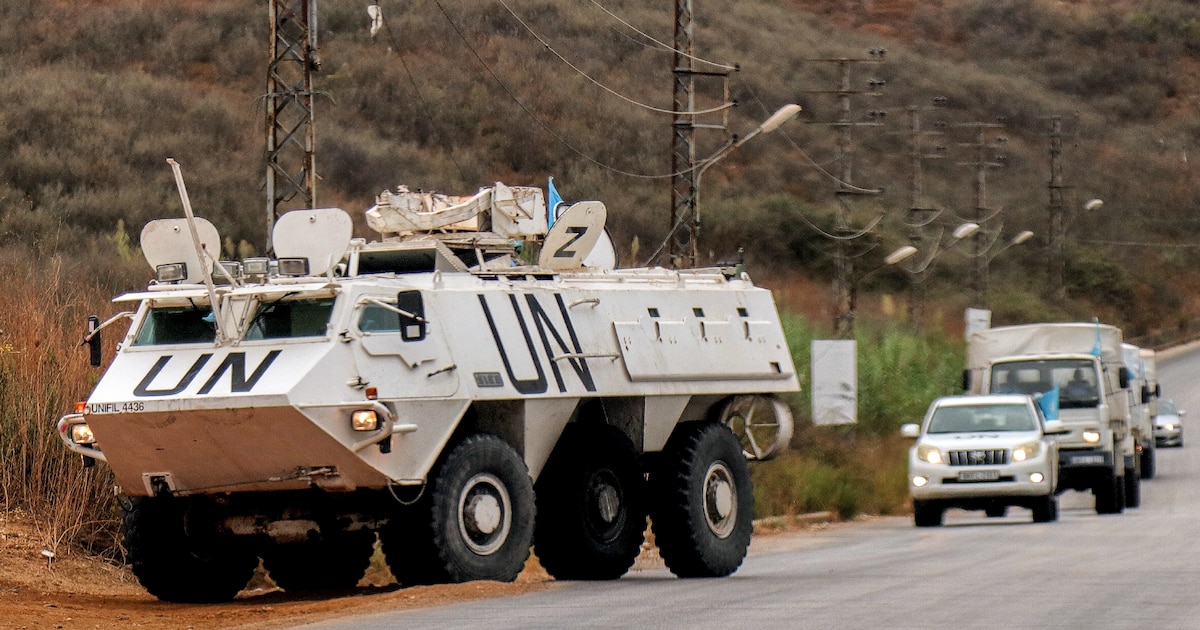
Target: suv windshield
974, 418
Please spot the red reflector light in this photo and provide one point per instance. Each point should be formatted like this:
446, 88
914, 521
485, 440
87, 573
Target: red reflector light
80, 407
372, 393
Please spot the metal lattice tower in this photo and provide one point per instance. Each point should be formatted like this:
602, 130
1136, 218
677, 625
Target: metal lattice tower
683, 137
291, 162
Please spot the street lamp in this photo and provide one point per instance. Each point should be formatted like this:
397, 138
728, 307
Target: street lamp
987, 255
1058, 236
775, 121
899, 255
917, 269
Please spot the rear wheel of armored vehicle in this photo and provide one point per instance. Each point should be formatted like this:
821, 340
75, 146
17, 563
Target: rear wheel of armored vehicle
174, 566
1133, 488
702, 502
475, 521
335, 562
591, 514
1046, 511
1110, 495
927, 514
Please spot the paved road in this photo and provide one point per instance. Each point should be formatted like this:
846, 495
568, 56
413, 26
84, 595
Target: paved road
1140, 569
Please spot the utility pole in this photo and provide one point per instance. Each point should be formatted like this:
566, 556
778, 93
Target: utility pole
1057, 232
982, 163
290, 157
685, 223
844, 291
919, 216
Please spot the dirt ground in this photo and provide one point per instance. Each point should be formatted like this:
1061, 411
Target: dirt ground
72, 591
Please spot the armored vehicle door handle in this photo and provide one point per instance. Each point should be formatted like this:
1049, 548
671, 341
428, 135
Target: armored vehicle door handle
593, 301
448, 368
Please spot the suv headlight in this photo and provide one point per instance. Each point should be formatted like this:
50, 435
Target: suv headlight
930, 454
1026, 451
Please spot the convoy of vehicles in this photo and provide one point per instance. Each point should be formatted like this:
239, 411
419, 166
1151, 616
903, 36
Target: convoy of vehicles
434, 390
1082, 364
985, 452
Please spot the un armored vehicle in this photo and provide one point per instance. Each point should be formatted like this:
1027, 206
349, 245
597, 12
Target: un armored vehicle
983, 453
476, 382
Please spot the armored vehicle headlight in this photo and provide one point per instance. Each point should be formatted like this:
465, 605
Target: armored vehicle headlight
927, 453
1091, 437
364, 420
173, 272
82, 434
258, 267
1026, 451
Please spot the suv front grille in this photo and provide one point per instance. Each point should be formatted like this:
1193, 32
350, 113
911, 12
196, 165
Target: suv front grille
979, 457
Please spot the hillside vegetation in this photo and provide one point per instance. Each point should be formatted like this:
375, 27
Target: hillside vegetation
455, 94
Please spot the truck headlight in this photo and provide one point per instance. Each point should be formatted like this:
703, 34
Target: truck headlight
1026, 451
364, 420
1091, 437
930, 454
82, 434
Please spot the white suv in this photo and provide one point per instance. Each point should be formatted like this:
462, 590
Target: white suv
983, 453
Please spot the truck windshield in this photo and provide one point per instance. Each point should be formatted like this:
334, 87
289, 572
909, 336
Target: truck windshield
1076, 379
180, 324
989, 418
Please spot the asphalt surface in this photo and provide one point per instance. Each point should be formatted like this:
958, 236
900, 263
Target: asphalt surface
1139, 569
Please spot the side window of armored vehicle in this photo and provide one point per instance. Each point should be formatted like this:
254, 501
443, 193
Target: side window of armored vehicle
377, 319
296, 318
184, 324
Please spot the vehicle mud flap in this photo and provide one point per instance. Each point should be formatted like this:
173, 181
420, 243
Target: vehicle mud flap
1133, 488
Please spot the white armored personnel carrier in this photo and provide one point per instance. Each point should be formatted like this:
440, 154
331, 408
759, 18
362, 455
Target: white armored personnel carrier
433, 390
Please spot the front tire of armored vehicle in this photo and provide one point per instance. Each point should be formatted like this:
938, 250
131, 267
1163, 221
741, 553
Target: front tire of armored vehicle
702, 501
474, 522
175, 565
927, 513
591, 514
334, 562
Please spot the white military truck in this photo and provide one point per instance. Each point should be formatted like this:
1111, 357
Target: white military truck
435, 391
1143, 405
1082, 364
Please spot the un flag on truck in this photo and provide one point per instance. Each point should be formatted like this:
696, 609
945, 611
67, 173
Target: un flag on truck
1049, 403
552, 202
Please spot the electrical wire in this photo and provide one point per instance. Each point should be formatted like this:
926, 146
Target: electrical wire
585, 75
723, 66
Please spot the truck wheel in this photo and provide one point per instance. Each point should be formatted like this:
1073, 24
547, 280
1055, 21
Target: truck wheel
476, 522
1133, 488
1110, 495
174, 567
1046, 511
336, 562
1149, 455
703, 502
927, 514
591, 514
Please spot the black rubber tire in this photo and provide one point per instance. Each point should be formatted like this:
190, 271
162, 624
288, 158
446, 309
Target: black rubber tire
1047, 510
996, 511
927, 514
1149, 461
174, 567
591, 505
1110, 495
702, 505
476, 522
1133, 488
334, 562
